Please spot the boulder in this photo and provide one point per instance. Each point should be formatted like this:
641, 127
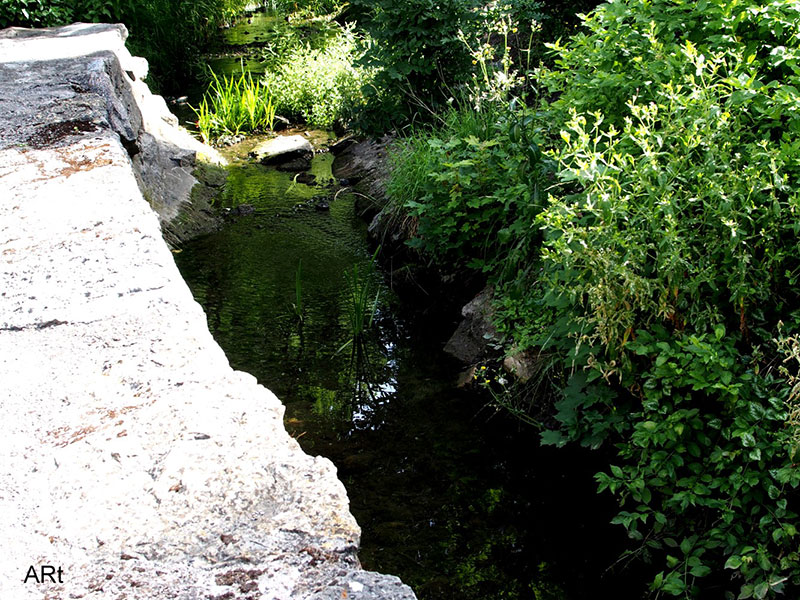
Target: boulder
476, 334
294, 150
306, 178
522, 365
365, 165
96, 84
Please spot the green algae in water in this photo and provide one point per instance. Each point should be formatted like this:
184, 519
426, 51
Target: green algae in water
264, 40
272, 30
245, 274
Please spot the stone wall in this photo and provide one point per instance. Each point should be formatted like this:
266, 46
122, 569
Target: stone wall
134, 459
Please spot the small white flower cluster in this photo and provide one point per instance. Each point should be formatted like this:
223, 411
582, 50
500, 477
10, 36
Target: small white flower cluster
495, 78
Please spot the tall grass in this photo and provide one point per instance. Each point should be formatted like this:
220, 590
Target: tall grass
232, 105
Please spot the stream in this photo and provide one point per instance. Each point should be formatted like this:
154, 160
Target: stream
454, 497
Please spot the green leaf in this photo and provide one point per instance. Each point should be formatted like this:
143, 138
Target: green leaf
745, 592
700, 571
658, 580
551, 437
672, 561
733, 562
686, 545
760, 591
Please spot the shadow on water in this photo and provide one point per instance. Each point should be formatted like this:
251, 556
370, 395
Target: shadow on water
458, 501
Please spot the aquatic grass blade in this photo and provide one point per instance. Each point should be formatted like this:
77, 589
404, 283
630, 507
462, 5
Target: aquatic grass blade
235, 104
298, 290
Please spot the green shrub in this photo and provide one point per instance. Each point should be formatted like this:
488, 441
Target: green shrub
670, 256
474, 182
416, 41
311, 7
660, 269
285, 37
321, 86
34, 13
473, 185
421, 50
421, 57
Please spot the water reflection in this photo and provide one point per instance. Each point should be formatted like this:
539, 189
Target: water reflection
458, 505
252, 275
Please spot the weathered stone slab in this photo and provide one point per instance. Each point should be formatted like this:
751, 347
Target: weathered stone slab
84, 79
285, 149
133, 457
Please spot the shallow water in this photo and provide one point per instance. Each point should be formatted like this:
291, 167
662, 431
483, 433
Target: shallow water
457, 500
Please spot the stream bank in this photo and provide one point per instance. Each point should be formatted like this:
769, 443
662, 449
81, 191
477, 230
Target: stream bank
454, 496
136, 461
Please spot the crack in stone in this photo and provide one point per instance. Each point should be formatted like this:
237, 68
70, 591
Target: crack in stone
45, 325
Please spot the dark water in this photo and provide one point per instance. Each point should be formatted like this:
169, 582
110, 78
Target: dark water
457, 500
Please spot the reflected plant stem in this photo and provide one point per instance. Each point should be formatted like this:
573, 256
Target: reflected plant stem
360, 371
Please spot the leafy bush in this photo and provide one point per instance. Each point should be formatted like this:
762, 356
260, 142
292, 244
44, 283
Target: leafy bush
416, 42
312, 7
34, 13
473, 185
321, 86
421, 57
285, 37
669, 257
659, 269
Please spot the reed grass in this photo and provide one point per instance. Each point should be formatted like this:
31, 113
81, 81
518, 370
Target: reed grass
363, 305
233, 105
